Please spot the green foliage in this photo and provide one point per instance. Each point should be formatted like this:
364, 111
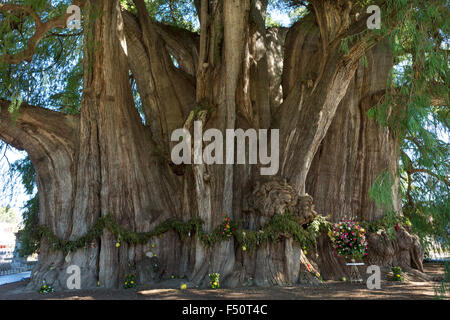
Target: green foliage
386, 223
416, 109
280, 225
69, 99
442, 290
8, 215
130, 281
397, 274
298, 13
295, 10
14, 107
180, 13
381, 193
270, 22
447, 271
46, 288
317, 226
25, 170
29, 236
344, 45
51, 71
285, 225
214, 280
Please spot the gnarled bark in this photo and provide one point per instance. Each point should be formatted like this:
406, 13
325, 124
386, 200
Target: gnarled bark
236, 74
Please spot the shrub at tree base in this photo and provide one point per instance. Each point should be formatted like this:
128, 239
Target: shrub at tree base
130, 281
46, 288
214, 280
397, 274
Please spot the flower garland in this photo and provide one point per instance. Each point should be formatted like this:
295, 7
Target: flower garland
279, 225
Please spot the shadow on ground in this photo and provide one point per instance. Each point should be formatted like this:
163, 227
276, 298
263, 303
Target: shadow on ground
330, 290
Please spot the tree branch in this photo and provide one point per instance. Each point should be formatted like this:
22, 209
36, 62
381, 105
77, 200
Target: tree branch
167, 92
429, 172
182, 44
41, 29
410, 169
34, 129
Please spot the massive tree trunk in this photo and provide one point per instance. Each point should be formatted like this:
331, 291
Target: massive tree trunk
355, 152
235, 74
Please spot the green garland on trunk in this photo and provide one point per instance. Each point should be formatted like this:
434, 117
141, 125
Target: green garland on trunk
280, 225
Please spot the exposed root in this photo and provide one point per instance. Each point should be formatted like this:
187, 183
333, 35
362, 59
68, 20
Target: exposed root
404, 251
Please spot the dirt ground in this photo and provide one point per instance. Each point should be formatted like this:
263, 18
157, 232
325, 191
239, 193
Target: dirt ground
330, 290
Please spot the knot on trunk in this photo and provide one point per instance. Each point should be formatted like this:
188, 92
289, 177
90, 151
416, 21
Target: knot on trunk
278, 197
404, 250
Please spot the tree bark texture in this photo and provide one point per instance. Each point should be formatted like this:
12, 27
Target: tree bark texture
234, 74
